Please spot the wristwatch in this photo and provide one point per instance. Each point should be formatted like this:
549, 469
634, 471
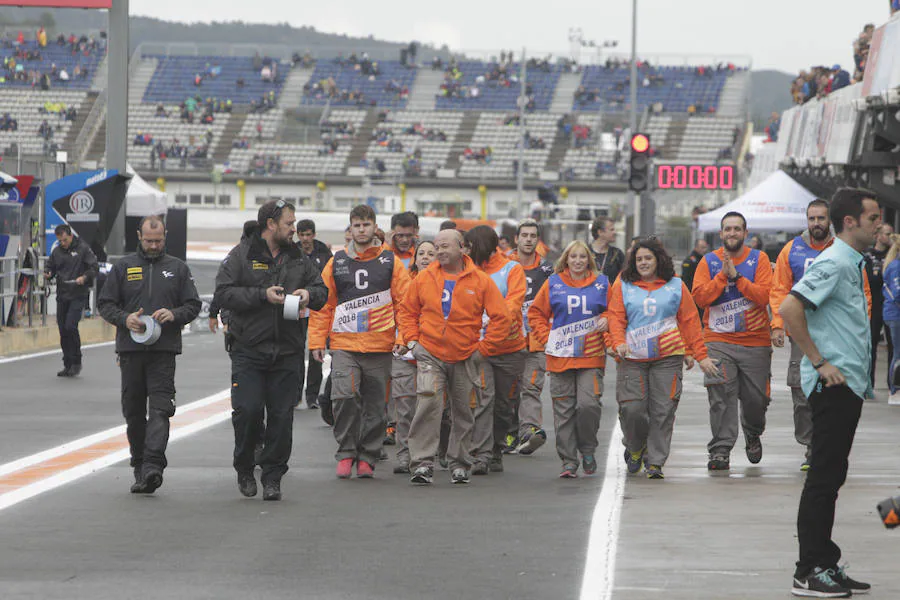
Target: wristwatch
819, 364
736, 277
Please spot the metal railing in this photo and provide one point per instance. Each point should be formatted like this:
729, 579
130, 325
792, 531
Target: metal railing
11, 296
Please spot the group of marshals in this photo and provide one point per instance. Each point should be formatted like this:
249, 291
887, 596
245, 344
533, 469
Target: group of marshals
463, 346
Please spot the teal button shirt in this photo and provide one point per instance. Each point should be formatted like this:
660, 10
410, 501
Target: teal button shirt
833, 292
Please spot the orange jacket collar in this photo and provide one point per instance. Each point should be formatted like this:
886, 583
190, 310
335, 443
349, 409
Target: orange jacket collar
578, 283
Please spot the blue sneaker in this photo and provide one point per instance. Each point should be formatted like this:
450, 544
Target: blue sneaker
589, 464
633, 460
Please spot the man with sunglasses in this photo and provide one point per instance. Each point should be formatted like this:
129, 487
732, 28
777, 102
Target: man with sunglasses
252, 283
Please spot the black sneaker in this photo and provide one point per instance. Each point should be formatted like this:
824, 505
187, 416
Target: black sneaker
247, 484
75, 370
496, 463
138, 486
459, 475
842, 579
312, 403
633, 460
819, 583
754, 449
272, 491
152, 481
66, 372
422, 476
480, 468
718, 463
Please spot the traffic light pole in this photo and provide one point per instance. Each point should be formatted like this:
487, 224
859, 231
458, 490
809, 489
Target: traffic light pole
634, 199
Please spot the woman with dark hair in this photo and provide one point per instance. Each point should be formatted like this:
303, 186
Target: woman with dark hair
755, 243
568, 316
503, 366
423, 256
654, 328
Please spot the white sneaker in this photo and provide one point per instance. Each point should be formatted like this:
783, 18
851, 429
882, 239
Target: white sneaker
894, 399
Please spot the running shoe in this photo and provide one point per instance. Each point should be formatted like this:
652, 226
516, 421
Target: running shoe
655, 472
402, 469
819, 583
842, 579
152, 481
480, 468
390, 436
804, 466
589, 464
496, 463
364, 470
511, 445
247, 484
754, 449
569, 471
422, 476
344, 468
459, 475
633, 460
718, 463
531, 441
272, 491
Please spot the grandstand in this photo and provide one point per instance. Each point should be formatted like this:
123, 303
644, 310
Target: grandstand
349, 117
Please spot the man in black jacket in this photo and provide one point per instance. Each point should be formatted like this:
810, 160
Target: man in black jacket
689, 266
149, 282
75, 268
319, 254
252, 283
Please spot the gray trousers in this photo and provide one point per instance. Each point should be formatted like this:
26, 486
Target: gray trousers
493, 413
802, 412
739, 393
403, 394
648, 393
533, 376
434, 380
576, 411
359, 391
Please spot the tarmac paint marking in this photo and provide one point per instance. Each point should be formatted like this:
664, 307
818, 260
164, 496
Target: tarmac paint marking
600, 564
12, 359
47, 470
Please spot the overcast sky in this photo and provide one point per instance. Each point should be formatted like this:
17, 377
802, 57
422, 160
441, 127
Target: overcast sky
788, 35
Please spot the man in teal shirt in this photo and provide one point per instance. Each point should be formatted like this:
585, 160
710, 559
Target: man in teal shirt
826, 316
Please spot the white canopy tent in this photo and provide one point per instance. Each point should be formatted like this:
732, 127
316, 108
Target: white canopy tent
143, 199
777, 204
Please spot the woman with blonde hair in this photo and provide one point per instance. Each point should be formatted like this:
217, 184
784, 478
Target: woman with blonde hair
567, 316
890, 311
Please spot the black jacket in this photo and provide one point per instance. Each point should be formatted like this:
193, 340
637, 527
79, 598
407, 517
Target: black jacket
320, 255
68, 265
611, 263
138, 281
241, 284
689, 267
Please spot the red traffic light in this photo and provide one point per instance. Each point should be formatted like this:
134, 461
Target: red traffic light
640, 142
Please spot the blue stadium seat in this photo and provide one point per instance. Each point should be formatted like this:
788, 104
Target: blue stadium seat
63, 57
495, 97
173, 80
347, 77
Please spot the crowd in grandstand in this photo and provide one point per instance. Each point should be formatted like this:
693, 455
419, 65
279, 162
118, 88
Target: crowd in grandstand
819, 81
25, 64
502, 74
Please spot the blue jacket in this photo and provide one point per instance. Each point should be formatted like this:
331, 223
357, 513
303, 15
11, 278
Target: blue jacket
891, 291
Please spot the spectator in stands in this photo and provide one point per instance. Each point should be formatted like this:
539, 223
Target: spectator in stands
839, 78
755, 243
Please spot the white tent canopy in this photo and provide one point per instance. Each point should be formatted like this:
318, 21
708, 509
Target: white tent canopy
143, 199
777, 204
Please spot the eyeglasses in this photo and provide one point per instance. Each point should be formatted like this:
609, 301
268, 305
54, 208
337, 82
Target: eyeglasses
276, 210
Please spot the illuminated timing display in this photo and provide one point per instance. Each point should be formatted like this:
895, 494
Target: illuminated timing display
695, 177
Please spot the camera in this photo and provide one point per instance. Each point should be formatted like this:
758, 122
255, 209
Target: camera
889, 510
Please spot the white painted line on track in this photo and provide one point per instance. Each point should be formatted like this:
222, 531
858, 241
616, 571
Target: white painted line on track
28, 461
85, 469
13, 359
600, 563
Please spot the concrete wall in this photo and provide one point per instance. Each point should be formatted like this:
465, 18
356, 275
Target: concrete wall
23, 340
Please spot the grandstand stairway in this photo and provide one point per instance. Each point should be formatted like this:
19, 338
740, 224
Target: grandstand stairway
292, 92
558, 151
83, 112
564, 96
733, 101
300, 125
363, 137
140, 79
101, 76
223, 147
426, 87
98, 146
463, 139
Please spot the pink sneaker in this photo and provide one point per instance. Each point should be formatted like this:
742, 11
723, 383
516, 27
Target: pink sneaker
364, 470
344, 468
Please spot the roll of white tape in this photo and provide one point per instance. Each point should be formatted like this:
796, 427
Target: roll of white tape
291, 308
151, 333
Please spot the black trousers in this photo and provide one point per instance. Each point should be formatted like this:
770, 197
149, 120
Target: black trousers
148, 402
877, 324
68, 314
263, 385
313, 379
835, 415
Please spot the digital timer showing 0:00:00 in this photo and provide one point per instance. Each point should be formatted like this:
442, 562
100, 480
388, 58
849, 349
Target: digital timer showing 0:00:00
695, 177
